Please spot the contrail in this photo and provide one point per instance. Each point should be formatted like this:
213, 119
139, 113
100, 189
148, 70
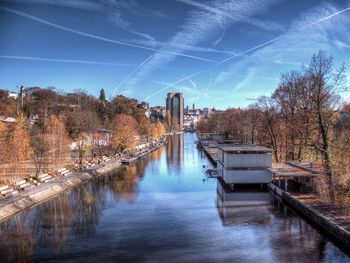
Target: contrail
328, 17
37, 19
66, 61
132, 73
249, 50
277, 38
172, 84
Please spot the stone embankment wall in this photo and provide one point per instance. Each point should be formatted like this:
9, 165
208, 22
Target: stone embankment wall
41, 193
332, 228
326, 224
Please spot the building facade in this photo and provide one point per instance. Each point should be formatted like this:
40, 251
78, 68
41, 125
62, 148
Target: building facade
175, 105
244, 164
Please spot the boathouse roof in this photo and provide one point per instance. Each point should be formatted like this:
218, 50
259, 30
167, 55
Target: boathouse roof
244, 148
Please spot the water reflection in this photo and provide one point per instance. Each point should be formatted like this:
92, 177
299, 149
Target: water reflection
175, 152
17, 241
243, 207
147, 212
52, 222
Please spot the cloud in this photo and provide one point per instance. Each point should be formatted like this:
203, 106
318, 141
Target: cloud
244, 83
200, 26
316, 17
116, 9
66, 61
37, 19
180, 45
113, 8
189, 91
341, 45
322, 27
78, 4
129, 75
170, 85
310, 32
307, 33
223, 10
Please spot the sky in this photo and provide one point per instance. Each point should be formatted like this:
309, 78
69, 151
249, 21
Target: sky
219, 53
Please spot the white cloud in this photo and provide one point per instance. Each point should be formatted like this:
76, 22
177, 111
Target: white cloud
247, 79
200, 26
66, 61
223, 9
322, 27
92, 36
79, 4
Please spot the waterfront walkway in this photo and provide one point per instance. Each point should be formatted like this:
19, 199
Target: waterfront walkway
212, 153
33, 196
330, 212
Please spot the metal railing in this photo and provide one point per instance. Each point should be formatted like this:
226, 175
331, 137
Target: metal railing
61, 180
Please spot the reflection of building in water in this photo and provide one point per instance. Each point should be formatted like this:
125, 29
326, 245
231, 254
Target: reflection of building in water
238, 206
175, 151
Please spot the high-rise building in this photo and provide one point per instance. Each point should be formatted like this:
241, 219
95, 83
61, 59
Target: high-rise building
175, 105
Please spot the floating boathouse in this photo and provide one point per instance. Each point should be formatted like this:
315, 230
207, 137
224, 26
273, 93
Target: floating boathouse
244, 164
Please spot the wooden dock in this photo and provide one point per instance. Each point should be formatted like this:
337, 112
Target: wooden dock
212, 153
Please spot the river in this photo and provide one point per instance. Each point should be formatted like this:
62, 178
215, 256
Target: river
162, 209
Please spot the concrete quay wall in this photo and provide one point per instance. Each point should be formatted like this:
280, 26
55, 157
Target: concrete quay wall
334, 229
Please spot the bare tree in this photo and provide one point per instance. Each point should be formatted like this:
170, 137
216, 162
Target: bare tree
325, 84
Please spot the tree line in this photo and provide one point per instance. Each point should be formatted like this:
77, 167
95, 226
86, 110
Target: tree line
48, 121
304, 118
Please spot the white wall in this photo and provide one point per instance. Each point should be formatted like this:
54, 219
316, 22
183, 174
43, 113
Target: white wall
219, 153
219, 168
247, 160
247, 176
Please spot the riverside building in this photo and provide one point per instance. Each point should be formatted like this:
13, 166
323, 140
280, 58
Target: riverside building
244, 164
175, 105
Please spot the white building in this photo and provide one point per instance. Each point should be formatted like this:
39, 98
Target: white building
13, 95
190, 122
244, 164
8, 119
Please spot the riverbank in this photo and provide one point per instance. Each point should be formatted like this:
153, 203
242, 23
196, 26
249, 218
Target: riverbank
212, 153
34, 196
325, 216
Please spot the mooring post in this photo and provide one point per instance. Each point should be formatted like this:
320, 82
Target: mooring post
286, 184
274, 178
279, 181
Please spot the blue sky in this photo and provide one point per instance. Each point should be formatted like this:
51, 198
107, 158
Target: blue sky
218, 53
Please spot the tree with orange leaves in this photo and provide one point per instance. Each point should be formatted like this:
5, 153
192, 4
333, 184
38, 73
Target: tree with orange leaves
17, 146
57, 141
160, 128
124, 132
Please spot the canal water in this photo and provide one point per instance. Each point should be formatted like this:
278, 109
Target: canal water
163, 209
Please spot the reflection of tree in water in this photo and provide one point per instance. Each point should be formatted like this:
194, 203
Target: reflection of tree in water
299, 242
16, 241
156, 155
88, 203
52, 222
71, 213
125, 182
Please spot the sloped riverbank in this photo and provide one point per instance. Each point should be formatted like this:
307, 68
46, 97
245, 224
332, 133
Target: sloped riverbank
43, 192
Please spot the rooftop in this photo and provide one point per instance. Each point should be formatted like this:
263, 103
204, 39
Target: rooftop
283, 169
244, 148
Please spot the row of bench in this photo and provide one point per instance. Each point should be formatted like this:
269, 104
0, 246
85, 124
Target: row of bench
31, 182
90, 164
